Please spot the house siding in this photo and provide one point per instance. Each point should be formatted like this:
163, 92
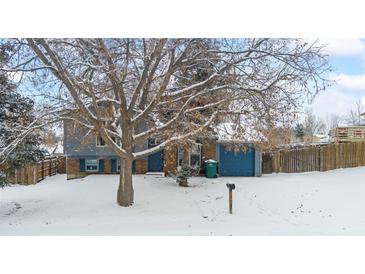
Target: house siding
78, 145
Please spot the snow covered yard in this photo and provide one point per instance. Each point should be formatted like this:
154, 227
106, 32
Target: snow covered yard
316, 203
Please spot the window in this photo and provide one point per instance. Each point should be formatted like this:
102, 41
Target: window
117, 141
195, 154
152, 143
180, 156
118, 165
100, 141
91, 166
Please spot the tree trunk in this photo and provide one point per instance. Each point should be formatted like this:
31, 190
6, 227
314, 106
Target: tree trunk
125, 190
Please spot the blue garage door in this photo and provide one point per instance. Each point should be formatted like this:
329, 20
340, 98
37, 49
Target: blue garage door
232, 163
155, 162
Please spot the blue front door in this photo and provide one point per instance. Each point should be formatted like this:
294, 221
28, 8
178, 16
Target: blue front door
155, 162
236, 163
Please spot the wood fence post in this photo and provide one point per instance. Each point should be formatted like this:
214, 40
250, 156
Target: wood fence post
50, 167
42, 169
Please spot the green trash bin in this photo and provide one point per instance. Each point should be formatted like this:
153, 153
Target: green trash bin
211, 169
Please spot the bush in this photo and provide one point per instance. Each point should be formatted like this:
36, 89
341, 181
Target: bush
3, 181
186, 172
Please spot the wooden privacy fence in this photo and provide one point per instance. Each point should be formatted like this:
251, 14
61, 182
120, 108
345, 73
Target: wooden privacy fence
34, 173
315, 158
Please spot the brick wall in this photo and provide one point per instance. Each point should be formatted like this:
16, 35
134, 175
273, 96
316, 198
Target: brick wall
209, 150
141, 166
73, 169
170, 161
61, 168
107, 166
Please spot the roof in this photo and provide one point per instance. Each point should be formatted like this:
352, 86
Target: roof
234, 133
54, 149
350, 126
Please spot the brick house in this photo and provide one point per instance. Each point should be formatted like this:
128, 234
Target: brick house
88, 154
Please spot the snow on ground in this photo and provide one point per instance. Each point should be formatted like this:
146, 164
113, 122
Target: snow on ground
315, 203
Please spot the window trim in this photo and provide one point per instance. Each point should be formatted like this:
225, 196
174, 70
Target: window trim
96, 141
118, 165
190, 153
177, 157
200, 153
97, 165
117, 141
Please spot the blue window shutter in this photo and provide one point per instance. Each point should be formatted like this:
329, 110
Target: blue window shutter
101, 166
82, 165
114, 165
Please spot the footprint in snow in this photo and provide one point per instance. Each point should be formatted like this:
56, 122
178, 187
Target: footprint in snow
250, 201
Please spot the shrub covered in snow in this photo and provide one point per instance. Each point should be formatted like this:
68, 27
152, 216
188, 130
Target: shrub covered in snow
186, 172
3, 181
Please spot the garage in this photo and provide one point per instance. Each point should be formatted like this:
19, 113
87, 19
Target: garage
239, 159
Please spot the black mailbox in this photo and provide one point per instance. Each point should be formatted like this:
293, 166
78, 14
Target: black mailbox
231, 186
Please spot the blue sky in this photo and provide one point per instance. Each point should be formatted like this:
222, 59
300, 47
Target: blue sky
347, 56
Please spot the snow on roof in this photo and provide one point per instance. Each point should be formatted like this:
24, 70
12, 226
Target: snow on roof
233, 132
55, 149
210, 161
347, 125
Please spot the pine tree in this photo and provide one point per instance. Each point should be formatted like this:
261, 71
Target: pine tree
299, 132
16, 112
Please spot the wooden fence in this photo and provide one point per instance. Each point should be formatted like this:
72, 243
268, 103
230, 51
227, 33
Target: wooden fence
34, 173
315, 158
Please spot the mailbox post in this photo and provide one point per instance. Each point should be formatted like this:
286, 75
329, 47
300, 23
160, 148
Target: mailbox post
230, 187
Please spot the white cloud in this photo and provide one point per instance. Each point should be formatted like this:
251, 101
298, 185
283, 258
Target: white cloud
350, 82
344, 47
332, 101
342, 96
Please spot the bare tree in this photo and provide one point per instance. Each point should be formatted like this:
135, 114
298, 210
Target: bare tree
332, 121
111, 86
354, 116
313, 125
